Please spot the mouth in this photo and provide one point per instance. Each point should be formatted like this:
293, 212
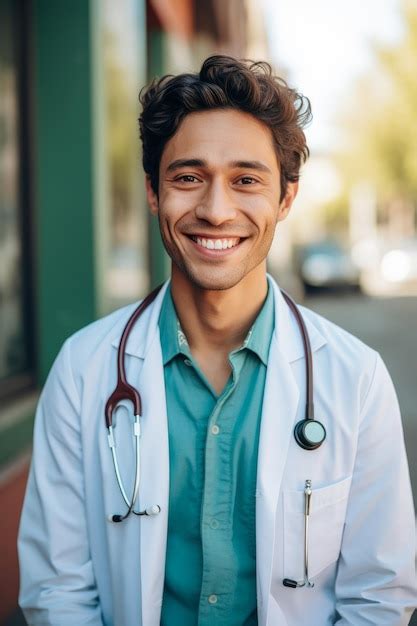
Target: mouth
211, 243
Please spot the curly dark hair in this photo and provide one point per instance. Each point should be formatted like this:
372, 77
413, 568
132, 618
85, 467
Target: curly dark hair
226, 83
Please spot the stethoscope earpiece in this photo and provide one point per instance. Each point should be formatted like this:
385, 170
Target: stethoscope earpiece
309, 434
287, 582
155, 509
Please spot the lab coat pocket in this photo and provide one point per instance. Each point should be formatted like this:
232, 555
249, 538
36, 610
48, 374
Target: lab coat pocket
326, 522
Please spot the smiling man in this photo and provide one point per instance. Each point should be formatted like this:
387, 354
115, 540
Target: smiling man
218, 202
252, 494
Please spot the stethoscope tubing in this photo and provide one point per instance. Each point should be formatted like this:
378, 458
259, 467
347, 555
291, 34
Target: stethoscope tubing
309, 414
112, 444
125, 391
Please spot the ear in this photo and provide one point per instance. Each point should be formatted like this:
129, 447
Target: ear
286, 202
151, 196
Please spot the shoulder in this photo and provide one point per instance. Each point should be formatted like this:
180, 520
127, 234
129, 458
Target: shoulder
339, 341
101, 333
97, 342
89, 349
345, 357
328, 340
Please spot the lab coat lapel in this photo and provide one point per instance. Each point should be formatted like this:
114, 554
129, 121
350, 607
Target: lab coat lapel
279, 414
279, 410
154, 484
144, 347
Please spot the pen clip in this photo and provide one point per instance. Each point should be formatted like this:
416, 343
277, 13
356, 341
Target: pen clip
307, 496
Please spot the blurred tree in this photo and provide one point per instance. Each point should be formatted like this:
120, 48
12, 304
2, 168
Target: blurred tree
382, 129
393, 131
122, 131
336, 215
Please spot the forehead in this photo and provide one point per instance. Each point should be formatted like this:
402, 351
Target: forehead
221, 136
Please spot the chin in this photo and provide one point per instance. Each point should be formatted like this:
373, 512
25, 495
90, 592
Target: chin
214, 280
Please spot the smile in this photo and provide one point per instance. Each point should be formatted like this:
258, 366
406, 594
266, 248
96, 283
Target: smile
216, 244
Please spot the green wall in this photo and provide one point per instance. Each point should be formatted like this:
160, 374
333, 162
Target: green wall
65, 289
70, 172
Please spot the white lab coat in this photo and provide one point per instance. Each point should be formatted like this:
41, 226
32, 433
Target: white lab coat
77, 568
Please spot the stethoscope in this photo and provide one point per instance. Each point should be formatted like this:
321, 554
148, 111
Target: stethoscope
308, 432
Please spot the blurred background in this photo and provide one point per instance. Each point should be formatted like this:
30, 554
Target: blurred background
76, 239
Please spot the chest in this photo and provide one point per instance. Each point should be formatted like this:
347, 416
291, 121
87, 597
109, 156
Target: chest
211, 433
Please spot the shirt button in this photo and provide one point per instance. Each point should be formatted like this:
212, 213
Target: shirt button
215, 430
187, 362
212, 599
214, 524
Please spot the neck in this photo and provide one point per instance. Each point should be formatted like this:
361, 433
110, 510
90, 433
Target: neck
218, 320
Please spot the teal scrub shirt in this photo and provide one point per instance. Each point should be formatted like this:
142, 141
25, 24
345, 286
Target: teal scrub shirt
210, 571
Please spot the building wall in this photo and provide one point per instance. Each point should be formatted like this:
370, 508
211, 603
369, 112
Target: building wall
65, 284
91, 245
70, 215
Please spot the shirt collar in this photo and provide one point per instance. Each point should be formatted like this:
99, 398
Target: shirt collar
286, 336
174, 341
259, 336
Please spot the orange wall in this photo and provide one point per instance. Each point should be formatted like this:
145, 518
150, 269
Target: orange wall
11, 500
173, 16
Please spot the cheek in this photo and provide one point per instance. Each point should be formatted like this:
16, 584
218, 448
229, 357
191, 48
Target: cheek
265, 203
167, 212
173, 206
263, 214
171, 215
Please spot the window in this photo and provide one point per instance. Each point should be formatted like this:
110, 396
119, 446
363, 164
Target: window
16, 338
127, 273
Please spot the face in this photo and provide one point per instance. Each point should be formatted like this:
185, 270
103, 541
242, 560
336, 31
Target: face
219, 193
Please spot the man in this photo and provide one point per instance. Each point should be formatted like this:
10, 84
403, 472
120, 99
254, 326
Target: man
219, 362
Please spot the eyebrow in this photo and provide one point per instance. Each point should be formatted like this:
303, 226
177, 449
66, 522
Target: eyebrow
179, 163
251, 165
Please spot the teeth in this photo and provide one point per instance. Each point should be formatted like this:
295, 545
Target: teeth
216, 244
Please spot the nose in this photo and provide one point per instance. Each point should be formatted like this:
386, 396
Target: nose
218, 205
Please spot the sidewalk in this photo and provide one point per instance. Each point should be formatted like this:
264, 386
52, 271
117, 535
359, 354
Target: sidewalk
12, 489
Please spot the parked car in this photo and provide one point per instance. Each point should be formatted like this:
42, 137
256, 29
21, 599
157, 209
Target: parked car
326, 265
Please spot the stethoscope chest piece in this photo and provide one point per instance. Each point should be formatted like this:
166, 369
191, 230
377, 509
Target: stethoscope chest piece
309, 434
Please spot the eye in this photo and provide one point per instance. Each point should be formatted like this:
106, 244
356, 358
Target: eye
247, 180
187, 178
